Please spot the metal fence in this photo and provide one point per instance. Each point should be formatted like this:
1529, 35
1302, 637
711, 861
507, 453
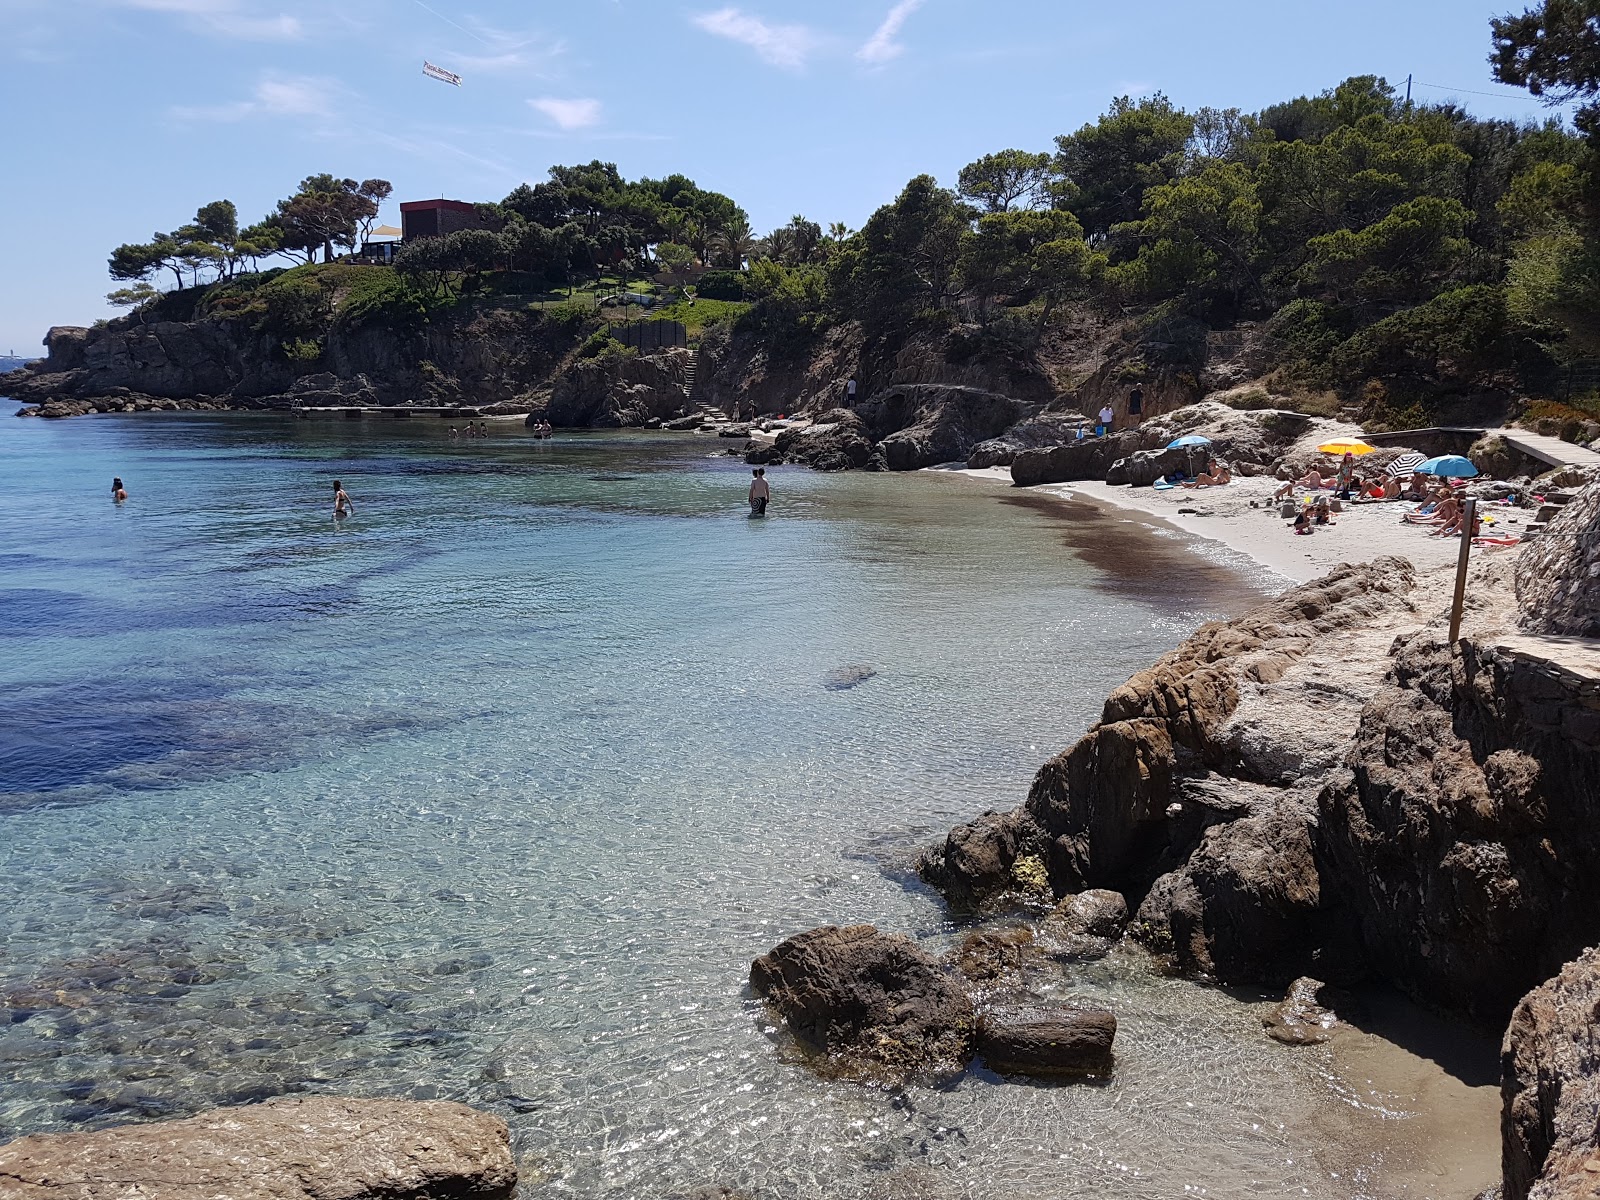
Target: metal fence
652, 335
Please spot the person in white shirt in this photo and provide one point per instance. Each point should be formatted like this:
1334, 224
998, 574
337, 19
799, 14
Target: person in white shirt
850, 393
1107, 416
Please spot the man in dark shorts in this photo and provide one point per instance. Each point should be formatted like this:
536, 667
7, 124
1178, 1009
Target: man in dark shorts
1136, 404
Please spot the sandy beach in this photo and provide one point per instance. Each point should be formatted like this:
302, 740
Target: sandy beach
1242, 518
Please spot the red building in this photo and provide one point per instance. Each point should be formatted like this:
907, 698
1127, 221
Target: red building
435, 218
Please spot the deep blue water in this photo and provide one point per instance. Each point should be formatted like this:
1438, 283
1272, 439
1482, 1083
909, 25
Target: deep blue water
493, 792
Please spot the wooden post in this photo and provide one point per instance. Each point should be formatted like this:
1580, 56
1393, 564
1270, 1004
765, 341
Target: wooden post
1468, 518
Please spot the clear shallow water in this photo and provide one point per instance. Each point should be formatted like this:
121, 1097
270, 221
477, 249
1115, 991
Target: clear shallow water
493, 793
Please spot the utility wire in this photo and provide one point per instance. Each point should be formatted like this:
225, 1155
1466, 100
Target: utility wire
1446, 88
448, 21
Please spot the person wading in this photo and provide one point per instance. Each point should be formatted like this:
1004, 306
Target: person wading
342, 507
760, 492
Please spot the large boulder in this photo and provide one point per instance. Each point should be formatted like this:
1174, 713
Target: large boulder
1047, 1042
1144, 467
300, 1148
1550, 1089
979, 859
837, 441
874, 1003
1037, 433
1073, 462
1558, 576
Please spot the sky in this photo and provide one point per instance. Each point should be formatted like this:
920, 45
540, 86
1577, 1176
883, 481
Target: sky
121, 117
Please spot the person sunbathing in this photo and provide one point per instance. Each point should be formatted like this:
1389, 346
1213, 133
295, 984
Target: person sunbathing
1373, 490
1312, 479
1215, 475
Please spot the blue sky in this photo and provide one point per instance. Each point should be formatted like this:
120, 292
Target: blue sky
122, 116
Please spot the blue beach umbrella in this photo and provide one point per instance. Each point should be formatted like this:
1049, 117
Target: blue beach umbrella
1450, 466
1193, 439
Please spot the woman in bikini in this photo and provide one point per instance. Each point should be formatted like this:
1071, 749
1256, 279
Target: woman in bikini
342, 507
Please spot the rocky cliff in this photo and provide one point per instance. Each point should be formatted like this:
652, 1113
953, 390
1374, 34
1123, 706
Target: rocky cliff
480, 357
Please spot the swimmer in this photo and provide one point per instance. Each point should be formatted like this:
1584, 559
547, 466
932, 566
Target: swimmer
118, 492
342, 507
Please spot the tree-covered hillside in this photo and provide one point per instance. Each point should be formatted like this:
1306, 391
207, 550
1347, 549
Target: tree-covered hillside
1401, 256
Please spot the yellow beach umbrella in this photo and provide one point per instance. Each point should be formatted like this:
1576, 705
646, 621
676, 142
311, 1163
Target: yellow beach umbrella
1356, 448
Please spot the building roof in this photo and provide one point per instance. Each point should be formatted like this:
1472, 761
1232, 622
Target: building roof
425, 205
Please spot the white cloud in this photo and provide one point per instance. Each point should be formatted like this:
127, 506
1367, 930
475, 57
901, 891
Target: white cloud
881, 47
786, 46
226, 18
273, 96
569, 114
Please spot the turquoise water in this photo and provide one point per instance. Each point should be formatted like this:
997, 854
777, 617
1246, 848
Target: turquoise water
493, 792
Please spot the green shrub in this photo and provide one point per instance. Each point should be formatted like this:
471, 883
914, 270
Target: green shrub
598, 343
1304, 335
1457, 334
721, 285
302, 351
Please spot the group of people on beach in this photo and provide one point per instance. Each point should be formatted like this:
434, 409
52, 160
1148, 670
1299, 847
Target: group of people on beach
1438, 504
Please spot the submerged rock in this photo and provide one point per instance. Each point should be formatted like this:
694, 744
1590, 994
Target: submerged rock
874, 1002
988, 955
842, 679
1047, 1042
1301, 1020
310, 1148
1084, 926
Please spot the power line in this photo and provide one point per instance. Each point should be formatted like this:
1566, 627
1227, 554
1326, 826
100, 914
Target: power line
1441, 87
448, 21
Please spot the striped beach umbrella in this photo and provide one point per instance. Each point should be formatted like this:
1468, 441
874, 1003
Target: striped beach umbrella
1407, 464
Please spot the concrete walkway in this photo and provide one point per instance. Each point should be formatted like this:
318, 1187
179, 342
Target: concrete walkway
1548, 449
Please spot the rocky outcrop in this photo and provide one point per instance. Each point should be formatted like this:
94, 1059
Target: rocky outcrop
1558, 576
1043, 432
1077, 460
1550, 1089
874, 1003
1462, 836
1173, 800
837, 441
1047, 1042
474, 355
922, 425
620, 390
311, 1148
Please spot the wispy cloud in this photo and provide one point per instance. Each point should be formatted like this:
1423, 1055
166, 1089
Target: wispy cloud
569, 114
226, 18
786, 46
882, 47
273, 96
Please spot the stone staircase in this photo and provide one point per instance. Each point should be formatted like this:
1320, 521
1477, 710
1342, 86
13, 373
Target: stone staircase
691, 372
1554, 502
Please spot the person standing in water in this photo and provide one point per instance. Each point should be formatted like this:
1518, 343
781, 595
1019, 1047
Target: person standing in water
118, 492
760, 492
342, 507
